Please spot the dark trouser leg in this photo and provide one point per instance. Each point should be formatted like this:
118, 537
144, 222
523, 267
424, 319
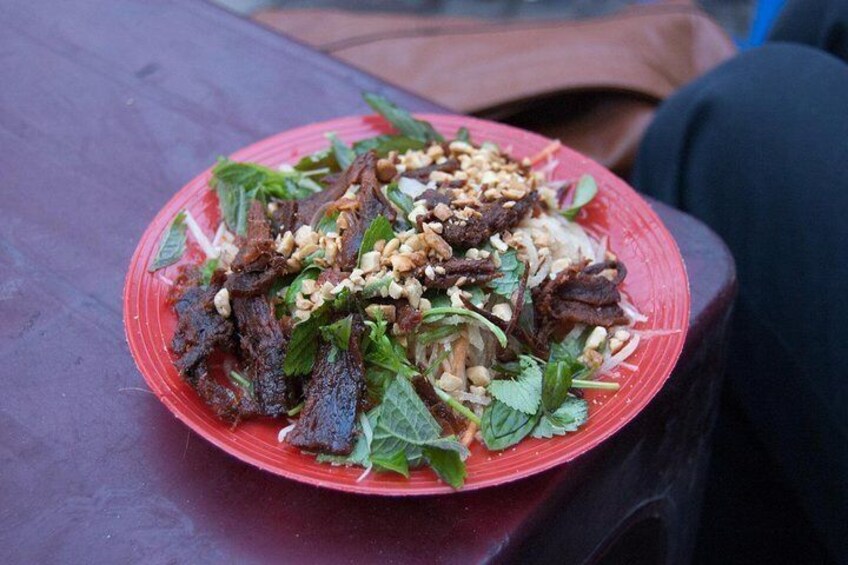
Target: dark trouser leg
758, 149
818, 23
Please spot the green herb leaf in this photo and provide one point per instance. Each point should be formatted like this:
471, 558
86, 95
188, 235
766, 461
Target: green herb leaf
309, 273
237, 184
572, 414
383, 352
403, 425
396, 462
557, 380
438, 298
344, 155
207, 271
569, 349
400, 199
584, 192
380, 229
300, 355
234, 202
503, 426
382, 145
478, 295
402, 120
338, 333
324, 159
511, 272
172, 246
372, 289
377, 381
462, 134
328, 223
434, 314
524, 393
404, 415
447, 464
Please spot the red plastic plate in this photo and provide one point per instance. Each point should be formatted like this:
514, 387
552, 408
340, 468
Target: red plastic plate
656, 284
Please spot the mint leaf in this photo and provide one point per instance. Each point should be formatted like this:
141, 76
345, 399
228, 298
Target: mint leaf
401, 119
462, 134
237, 184
447, 464
172, 246
395, 462
383, 144
405, 433
567, 418
503, 426
584, 192
570, 348
404, 415
380, 229
524, 393
557, 380
323, 159
338, 333
344, 155
511, 272
377, 381
385, 445
300, 354
234, 202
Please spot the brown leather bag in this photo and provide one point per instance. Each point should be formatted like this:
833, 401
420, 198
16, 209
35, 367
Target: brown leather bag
593, 83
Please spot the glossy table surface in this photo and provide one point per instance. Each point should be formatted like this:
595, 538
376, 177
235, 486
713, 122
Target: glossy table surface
106, 108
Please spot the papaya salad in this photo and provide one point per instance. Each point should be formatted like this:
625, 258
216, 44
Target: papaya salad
393, 301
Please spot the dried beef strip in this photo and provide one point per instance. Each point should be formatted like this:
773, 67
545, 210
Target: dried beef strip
583, 296
457, 272
406, 317
200, 329
371, 203
263, 341
200, 332
257, 264
493, 218
308, 207
285, 217
327, 423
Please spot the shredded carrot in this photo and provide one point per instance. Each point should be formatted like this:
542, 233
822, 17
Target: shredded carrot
468, 435
459, 357
549, 150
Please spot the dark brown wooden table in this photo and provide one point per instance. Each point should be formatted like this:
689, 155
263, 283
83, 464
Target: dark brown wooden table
106, 108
